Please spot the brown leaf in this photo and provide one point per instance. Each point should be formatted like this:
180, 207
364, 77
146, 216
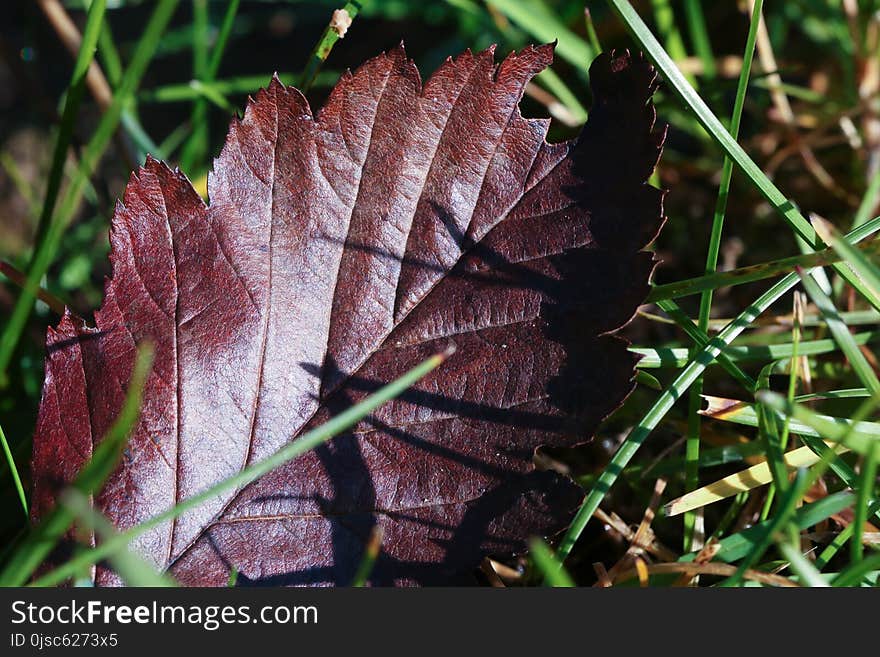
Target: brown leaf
337, 252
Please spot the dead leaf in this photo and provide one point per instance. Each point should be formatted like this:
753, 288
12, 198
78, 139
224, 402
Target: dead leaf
337, 252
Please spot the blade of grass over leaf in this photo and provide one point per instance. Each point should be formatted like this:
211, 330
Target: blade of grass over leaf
303, 444
335, 30
132, 568
75, 91
44, 251
553, 571
13, 469
105, 457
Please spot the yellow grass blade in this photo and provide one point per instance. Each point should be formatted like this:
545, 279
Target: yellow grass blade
746, 480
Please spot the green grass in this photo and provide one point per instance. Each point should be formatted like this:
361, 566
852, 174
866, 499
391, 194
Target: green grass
189, 63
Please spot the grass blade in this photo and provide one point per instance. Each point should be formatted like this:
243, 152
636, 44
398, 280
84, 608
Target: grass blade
547, 564
75, 91
371, 553
768, 429
856, 434
864, 495
196, 146
740, 482
853, 575
787, 505
637, 436
222, 39
204, 72
677, 357
45, 250
807, 572
736, 546
709, 121
842, 537
754, 273
701, 339
869, 201
804, 422
132, 568
335, 30
16, 479
534, 17
662, 405
840, 332
668, 29
105, 457
700, 36
866, 271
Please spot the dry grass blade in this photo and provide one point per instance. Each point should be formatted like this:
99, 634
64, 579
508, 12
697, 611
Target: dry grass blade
616, 523
693, 569
643, 536
746, 480
70, 36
